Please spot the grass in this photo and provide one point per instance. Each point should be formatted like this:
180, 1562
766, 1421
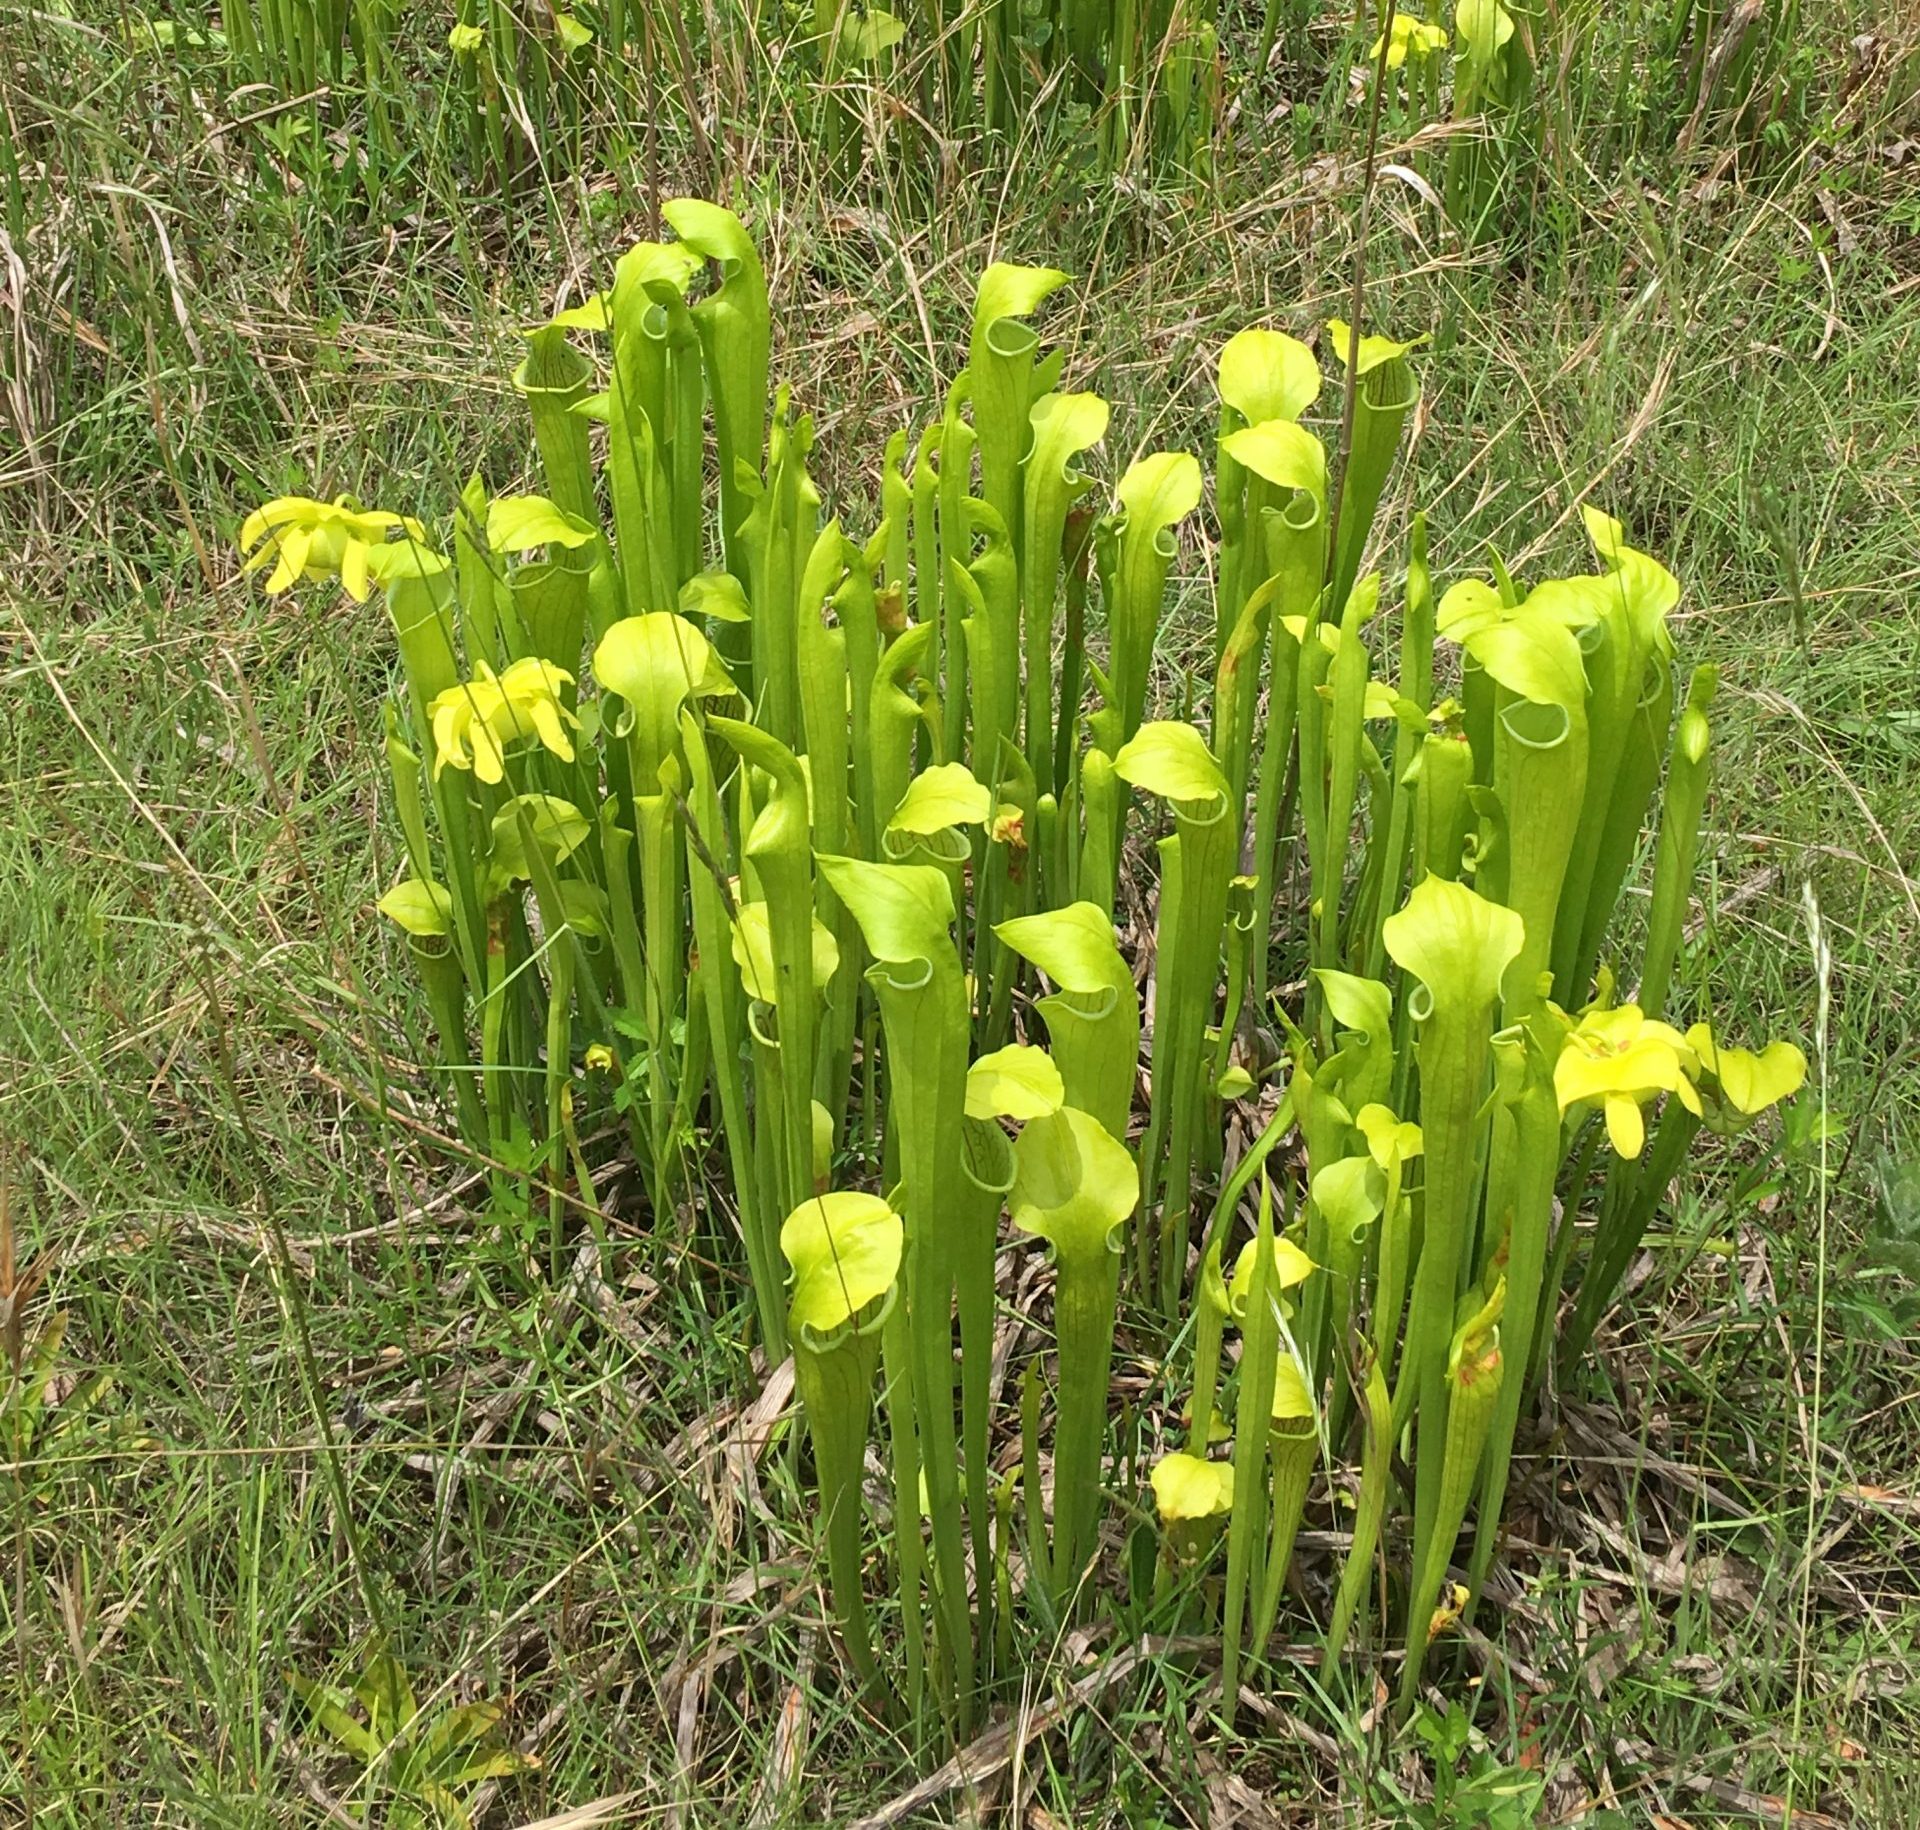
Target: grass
569, 1500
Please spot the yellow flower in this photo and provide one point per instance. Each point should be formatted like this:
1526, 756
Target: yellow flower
475, 721
1409, 37
464, 40
1187, 1489
1621, 1059
1737, 1084
319, 540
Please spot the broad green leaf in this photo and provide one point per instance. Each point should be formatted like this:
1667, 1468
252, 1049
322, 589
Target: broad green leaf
716, 594
945, 795
1064, 425
753, 952
1010, 291
333, 1709
1073, 946
423, 908
711, 231
1375, 352
1351, 1193
845, 1252
1361, 1004
1281, 453
559, 829
649, 264
1018, 1082
1265, 374
586, 908
389, 561
1171, 759
1650, 591
590, 315
1159, 489
1291, 1266
1483, 28
904, 910
1534, 656
1457, 943
1137, 548
868, 33
656, 663
1074, 1185
1467, 606
1292, 1403
516, 524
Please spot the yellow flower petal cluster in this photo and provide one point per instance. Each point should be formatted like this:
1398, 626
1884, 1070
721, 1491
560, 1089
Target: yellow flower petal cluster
1408, 37
1620, 1059
305, 538
475, 721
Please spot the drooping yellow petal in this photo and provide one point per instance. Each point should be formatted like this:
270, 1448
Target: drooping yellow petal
489, 759
449, 726
546, 714
290, 546
353, 571
1626, 1129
